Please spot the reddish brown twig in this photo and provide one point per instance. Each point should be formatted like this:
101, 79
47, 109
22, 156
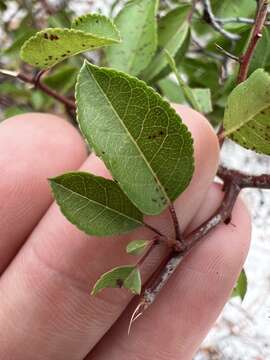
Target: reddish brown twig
245, 59
176, 224
234, 181
256, 34
46, 89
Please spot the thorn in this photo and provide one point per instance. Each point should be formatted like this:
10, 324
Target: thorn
227, 53
136, 314
9, 73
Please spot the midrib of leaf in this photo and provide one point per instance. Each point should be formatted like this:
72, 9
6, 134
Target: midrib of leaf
245, 122
131, 61
132, 139
99, 204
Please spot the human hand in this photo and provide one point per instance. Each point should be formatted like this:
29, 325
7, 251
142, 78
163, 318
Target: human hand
48, 266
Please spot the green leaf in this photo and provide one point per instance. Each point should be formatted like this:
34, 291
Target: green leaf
133, 282
138, 28
94, 204
13, 111
122, 276
232, 8
240, 288
139, 136
171, 90
18, 42
97, 25
247, 114
203, 99
137, 247
261, 56
199, 99
172, 32
63, 79
53, 45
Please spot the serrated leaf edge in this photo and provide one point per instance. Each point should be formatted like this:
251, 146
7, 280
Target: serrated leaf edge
167, 105
62, 30
99, 16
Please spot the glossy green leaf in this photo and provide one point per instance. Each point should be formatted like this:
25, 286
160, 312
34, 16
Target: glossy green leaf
172, 32
138, 28
247, 114
240, 288
122, 276
53, 45
97, 25
94, 204
139, 136
137, 247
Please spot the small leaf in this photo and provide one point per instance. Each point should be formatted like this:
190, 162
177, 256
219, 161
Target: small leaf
133, 282
172, 32
122, 276
94, 204
97, 25
139, 136
171, 90
138, 27
199, 99
137, 247
203, 99
247, 114
53, 45
241, 286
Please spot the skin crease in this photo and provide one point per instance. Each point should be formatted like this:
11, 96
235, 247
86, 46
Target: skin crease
45, 289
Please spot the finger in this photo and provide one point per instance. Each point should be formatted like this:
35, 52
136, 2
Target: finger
176, 324
54, 270
33, 147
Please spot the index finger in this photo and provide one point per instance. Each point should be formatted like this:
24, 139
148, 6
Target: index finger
53, 273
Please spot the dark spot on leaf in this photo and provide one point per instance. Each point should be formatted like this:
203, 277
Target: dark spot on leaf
50, 57
54, 37
97, 21
103, 152
161, 133
68, 51
46, 36
119, 283
83, 45
64, 55
154, 200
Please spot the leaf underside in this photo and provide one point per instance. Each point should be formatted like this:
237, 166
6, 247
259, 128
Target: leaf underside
247, 114
122, 276
98, 25
94, 204
138, 27
140, 138
53, 45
